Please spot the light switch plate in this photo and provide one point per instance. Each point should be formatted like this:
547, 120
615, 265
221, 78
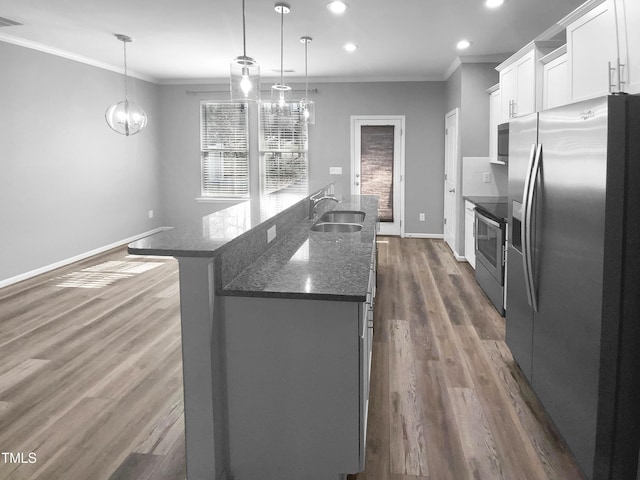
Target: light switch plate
271, 234
335, 170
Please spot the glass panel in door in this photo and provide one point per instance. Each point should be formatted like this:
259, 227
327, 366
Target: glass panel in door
376, 166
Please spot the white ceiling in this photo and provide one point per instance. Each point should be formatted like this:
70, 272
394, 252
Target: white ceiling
195, 39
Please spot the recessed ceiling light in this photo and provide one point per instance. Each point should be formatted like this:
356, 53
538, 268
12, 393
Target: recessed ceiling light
493, 3
337, 7
462, 44
350, 47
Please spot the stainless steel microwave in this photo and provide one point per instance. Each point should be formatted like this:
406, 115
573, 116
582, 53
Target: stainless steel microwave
503, 143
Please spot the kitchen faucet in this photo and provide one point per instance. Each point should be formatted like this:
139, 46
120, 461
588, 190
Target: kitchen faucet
313, 203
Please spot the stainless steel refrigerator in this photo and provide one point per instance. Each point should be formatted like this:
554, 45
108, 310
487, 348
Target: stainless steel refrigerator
573, 270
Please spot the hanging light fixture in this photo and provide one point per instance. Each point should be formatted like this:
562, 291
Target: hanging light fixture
125, 117
281, 92
308, 106
245, 73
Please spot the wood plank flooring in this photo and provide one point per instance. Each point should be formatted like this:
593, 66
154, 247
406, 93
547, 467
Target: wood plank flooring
447, 401
91, 372
91, 379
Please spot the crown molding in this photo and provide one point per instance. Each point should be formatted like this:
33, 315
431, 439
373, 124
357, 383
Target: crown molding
580, 11
264, 81
72, 56
493, 58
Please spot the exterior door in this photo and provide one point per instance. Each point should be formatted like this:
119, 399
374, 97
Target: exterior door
377, 165
450, 178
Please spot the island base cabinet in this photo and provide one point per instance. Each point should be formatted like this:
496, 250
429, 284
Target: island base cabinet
295, 388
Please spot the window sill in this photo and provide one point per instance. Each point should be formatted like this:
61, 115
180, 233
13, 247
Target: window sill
221, 199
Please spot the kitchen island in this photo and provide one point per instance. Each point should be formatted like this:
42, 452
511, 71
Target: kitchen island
276, 338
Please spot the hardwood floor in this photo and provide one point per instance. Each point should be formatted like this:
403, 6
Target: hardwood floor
447, 401
91, 372
91, 379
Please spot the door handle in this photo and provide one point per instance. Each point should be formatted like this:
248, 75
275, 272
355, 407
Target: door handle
452, 190
528, 238
620, 76
612, 71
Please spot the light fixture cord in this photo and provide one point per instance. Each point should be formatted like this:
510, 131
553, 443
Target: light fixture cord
306, 75
282, 45
244, 35
124, 43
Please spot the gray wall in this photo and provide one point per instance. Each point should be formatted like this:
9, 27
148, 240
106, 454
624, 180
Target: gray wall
180, 152
476, 79
423, 104
466, 89
68, 184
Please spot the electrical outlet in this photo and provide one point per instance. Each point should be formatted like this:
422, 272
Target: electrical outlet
271, 234
422, 217
486, 177
335, 170
150, 213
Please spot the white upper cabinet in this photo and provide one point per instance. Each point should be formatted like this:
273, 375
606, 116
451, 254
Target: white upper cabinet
628, 21
603, 48
555, 84
521, 80
592, 53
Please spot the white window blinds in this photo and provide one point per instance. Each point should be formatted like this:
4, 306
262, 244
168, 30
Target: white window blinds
224, 150
283, 148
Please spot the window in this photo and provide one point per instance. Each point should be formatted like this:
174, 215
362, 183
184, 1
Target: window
224, 150
283, 148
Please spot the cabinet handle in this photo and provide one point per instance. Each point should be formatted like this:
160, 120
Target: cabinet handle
620, 76
611, 73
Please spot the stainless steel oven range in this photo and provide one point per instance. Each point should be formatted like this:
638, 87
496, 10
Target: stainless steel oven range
490, 251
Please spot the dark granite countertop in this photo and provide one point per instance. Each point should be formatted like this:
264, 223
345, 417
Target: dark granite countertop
494, 207
314, 265
206, 238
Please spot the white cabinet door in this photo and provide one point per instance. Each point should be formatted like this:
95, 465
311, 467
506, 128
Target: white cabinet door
591, 48
518, 87
508, 92
555, 83
628, 21
494, 121
469, 233
525, 101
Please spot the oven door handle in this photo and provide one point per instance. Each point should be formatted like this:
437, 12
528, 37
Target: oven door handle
488, 220
528, 236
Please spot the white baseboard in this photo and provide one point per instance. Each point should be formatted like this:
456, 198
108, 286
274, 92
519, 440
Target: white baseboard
62, 263
424, 235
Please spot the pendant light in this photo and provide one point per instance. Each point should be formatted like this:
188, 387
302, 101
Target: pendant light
125, 117
245, 73
281, 92
308, 106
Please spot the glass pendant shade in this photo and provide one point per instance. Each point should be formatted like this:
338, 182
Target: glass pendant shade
245, 80
308, 107
126, 118
280, 94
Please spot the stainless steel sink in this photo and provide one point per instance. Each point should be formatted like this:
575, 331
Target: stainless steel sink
336, 227
342, 216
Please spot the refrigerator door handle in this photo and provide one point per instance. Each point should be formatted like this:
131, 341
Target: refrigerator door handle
528, 237
523, 226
